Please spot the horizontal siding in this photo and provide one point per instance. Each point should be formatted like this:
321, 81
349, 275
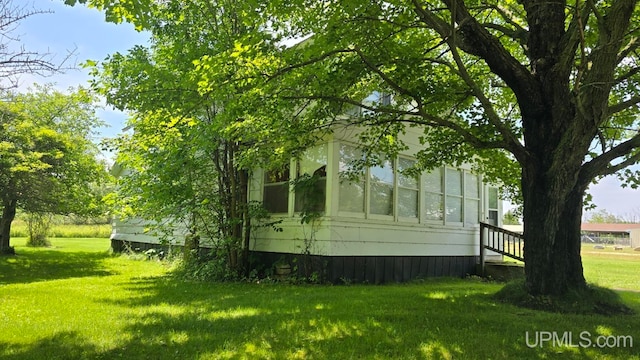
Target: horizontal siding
291, 238
352, 237
135, 230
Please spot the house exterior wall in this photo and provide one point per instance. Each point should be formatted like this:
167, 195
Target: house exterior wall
635, 238
133, 234
359, 237
133, 230
341, 237
364, 246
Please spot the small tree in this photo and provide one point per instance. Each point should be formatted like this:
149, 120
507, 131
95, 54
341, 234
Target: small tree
604, 217
48, 162
184, 169
511, 218
39, 225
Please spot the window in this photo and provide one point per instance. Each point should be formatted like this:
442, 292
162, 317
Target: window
453, 198
381, 186
433, 195
407, 190
381, 183
471, 199
311, 172
375, 99
448, 196
493, 206
276, 190
352, 183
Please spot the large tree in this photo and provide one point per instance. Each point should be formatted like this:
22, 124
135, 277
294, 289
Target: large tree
48, 161
543, 90
182, 166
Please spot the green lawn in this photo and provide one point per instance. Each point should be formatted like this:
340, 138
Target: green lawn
75, 301
611, 268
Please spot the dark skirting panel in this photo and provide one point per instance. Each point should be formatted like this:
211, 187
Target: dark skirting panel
120, 246
371, 269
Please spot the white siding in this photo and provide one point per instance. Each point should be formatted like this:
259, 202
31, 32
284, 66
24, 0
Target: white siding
136, 230
367, 234
635, 238
350, 237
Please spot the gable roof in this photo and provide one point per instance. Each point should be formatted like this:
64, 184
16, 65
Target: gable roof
609, 227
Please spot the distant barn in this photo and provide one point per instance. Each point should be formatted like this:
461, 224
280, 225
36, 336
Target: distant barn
614, 234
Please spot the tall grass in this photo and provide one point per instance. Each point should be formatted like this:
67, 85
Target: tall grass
20, 229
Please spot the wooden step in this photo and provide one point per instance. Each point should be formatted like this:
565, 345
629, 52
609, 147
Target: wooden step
503, 270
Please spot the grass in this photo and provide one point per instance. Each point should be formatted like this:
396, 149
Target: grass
611, 268
75, 301
605, 269
20, 229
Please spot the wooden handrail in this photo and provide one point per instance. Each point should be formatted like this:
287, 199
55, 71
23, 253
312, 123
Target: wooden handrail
501, 241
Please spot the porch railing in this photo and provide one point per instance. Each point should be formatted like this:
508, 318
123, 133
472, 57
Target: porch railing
501, 241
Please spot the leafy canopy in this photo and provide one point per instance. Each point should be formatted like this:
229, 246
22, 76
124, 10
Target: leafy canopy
466, 95
48, 160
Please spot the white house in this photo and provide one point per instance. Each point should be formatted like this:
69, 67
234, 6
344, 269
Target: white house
385, 226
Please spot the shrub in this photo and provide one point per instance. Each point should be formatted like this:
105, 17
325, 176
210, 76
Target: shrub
213, 267
38, 226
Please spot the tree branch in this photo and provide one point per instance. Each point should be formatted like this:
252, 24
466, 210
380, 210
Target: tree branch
463, 18
389, 81
601, 165
16, 62
409, 117
511, 143
573, 38
616, 108
628, 75
598, 80
612, 169
519, 31
474, 39
518, 35
311, 61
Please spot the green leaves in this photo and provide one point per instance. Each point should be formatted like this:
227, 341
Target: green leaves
136, 12
279, 74
48, 160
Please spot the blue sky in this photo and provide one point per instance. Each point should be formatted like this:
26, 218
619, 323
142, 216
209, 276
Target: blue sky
85, 30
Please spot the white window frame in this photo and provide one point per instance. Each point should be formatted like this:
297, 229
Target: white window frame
448, 195
423, 195
280, 183
399, 187
295, 173
368, 197
477, 200
491, 209
480, 199
365, 174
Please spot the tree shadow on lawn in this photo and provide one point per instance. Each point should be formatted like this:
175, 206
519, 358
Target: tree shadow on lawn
443, 319
63, 345
45, 265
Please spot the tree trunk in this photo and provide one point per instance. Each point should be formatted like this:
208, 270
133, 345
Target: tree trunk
8, 214
246, 233
191, 247
552, 212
